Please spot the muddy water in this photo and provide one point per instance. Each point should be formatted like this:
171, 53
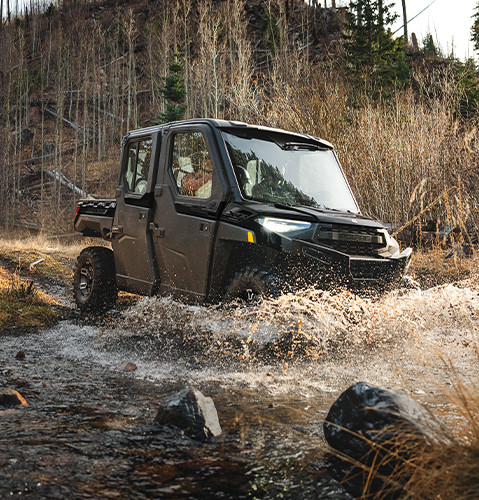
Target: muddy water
273, 370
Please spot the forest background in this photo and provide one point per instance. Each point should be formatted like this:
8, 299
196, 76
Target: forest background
75, 76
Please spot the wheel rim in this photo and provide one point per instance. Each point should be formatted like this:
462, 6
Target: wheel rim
86, 280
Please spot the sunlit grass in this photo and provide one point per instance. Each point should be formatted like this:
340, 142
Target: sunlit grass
21, 305
55, 247
432, 268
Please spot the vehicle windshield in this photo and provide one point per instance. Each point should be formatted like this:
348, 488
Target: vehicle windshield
291, 173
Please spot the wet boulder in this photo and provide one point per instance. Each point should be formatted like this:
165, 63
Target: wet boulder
192, 412
380, 429
365, 416
10, 397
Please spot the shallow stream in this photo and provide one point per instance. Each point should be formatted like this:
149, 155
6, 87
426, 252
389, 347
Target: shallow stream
273, 371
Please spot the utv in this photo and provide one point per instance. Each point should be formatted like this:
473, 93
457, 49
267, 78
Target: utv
209, 210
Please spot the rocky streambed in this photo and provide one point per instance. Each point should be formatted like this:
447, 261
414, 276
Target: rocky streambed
93, 390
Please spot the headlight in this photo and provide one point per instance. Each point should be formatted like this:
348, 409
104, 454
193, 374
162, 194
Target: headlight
282, 225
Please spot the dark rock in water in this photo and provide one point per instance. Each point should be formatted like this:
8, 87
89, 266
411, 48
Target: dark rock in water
20, 356
364, 414
374, 425
192, 412
10, 397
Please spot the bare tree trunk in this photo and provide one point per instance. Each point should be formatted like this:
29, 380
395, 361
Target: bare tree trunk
405, 21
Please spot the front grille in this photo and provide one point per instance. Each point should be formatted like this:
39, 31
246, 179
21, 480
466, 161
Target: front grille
370, 269
351, 240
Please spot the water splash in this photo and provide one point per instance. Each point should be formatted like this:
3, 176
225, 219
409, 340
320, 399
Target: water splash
311, 324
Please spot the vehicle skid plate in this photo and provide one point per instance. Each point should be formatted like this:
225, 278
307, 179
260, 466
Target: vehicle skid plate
354, 267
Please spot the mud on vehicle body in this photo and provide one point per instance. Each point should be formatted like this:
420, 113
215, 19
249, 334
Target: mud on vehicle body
208, 209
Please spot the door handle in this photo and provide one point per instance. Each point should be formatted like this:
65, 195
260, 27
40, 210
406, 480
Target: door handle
159, 231
117, 229
204, 227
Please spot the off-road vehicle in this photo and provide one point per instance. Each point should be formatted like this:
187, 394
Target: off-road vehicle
208, 210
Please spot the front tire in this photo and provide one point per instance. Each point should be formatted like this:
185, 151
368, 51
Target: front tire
251, 285
94, 282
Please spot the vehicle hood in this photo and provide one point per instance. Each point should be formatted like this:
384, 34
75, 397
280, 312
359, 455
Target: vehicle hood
316, 215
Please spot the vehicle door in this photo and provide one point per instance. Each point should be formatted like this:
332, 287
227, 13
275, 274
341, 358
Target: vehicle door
187, 201
132, 241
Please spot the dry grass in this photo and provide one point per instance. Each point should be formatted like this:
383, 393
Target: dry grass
21, 305
29, 247
432, 268
399, 155
451, 472
27, 261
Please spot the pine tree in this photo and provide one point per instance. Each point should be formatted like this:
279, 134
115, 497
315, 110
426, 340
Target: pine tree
429, 47
173, 92
475, 28
468, 87
373, 57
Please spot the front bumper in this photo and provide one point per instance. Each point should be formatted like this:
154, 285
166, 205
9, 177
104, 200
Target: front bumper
354, 269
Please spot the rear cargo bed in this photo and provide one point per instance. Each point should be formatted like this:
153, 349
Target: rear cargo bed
95, 217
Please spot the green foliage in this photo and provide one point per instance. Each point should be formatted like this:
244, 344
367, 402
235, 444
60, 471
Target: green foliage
271, 31
173, 92
50, 10
475, 28
374, 60
429, 47
468, 85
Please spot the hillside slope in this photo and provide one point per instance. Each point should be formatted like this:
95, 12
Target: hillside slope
74, 79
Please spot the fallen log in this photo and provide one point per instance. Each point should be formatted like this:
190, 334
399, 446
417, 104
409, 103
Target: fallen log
74, 126
64, 181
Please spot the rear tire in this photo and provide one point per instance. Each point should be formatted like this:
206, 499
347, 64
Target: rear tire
251, 285
94, 282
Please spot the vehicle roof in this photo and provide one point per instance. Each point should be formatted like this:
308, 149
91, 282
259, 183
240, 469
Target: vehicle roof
229, 124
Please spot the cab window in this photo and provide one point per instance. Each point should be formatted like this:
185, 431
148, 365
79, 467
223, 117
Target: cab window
138, 166
191, 165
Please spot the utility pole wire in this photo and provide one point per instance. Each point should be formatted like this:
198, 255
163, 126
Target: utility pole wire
418, 14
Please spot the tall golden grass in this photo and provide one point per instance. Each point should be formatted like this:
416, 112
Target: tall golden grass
399, 155
100, 68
